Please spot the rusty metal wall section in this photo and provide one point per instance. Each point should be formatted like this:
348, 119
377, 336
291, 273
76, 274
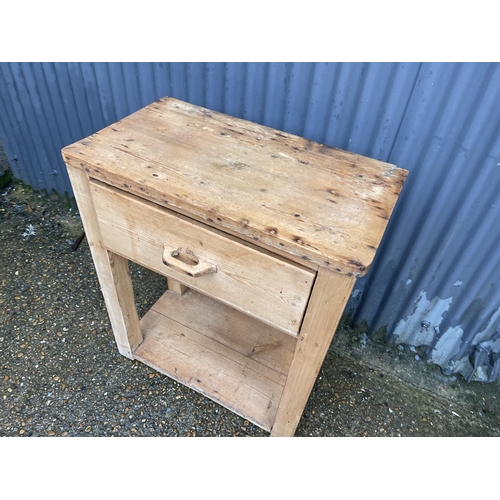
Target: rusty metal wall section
434, 285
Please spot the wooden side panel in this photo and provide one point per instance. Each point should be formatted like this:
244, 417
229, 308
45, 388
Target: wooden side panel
329, 297
112, 271
258, 284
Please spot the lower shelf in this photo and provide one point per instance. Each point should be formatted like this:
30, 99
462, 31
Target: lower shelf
222, 353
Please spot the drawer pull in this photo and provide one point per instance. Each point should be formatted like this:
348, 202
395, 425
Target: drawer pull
195, 268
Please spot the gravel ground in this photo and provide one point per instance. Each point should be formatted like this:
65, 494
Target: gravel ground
61, 374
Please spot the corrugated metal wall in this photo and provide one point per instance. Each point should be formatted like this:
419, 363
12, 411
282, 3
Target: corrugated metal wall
45, 106
435, 281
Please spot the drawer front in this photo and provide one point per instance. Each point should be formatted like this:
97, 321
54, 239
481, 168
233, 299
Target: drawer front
268, 288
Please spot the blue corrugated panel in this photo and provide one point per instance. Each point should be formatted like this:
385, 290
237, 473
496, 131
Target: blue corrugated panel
45, 106
439, 263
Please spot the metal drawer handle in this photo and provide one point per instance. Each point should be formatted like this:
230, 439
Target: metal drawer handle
195, 268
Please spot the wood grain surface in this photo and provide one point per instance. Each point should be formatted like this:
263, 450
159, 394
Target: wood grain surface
329, 297
254, 282
227, 356
112, 271
322, 205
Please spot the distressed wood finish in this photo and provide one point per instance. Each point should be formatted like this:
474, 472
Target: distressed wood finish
112, 271
237, 331
261, 235
175, 286
316, 203
218, 351
328, 299
258, 284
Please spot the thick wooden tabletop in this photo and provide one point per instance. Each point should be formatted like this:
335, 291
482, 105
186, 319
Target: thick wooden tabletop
325, 206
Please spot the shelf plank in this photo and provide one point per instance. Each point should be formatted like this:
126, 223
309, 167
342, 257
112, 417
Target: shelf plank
225, 355
221, 323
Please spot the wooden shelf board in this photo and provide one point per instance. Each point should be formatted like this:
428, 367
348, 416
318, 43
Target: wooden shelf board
229, 357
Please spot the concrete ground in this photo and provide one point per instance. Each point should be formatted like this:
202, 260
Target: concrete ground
61, 374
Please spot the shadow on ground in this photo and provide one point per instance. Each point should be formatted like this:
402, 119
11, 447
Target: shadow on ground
61, 374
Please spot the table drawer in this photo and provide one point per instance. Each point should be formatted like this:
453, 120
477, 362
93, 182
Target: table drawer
269, 288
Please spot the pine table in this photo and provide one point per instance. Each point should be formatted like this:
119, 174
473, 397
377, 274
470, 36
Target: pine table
260, 233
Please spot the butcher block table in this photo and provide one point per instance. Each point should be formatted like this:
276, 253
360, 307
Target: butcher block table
260, 233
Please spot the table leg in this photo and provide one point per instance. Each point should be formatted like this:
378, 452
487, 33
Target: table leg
176, 286
329, 297
112, 271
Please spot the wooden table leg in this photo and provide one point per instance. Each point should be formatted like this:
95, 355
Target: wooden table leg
324, 311
176, 286
112, 271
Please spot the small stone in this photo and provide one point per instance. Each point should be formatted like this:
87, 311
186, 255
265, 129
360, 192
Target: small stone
88, 428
